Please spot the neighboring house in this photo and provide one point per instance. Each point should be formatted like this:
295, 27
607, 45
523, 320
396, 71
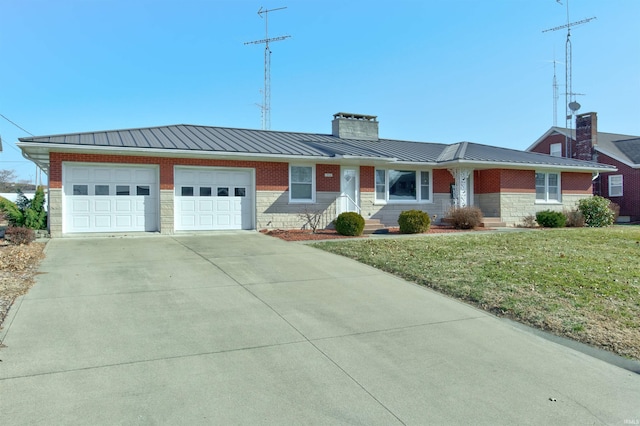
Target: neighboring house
187, 178
622, 186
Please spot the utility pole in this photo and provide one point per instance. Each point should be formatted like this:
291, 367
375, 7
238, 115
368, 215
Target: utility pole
266, 94
570, 105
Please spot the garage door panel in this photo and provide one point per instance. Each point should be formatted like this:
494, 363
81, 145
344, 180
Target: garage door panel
217, 199
103, 198
102, 175
103, 221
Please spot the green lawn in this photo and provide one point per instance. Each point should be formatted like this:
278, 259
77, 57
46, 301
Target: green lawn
583, 283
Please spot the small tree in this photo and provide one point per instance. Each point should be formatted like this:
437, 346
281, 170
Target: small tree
597, 211
25, 212
311, 218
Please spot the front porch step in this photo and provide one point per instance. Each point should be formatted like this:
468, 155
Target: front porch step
374, 226
492, 222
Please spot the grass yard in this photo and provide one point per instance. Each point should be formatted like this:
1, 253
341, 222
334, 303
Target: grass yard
582, 283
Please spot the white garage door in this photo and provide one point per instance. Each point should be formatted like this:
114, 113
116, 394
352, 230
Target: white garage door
99, 198
213, 199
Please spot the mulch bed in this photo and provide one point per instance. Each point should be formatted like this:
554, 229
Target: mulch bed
330, 234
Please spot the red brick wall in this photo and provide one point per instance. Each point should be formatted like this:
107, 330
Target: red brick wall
329, 184
269, 176
486, 181
630, 201
545, 145
367, 179
576, 183
521, 181
442, 181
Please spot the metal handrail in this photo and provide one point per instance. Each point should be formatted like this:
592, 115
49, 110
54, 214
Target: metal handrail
352, 200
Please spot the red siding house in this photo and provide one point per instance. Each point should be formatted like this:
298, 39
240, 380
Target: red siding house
179, 178
621, 186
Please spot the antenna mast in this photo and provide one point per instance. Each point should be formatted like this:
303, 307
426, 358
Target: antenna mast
570, 105
266, 94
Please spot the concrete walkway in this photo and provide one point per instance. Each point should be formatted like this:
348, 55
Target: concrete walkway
242, 328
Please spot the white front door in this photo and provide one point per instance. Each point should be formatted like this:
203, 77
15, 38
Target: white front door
349, 184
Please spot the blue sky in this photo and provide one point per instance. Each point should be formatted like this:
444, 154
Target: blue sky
434, 71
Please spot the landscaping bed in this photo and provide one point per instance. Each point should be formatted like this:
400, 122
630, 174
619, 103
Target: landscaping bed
330, 234
581, 283
18, 267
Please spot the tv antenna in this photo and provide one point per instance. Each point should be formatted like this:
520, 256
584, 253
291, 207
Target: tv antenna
570, 105
266, 94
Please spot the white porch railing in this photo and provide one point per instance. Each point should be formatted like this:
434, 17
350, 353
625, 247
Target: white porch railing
343, 204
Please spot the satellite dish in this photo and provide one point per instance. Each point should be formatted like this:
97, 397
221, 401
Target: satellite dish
574, 106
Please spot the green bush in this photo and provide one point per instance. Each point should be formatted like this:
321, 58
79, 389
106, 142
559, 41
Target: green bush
349, 223
465, 217
414, 222
25, 212
551, 219
597, 211
19, 235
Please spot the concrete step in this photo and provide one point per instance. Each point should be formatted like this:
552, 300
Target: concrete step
492, 222
374, 226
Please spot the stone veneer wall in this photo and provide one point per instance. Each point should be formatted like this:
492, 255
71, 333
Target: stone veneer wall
54, 214
274, 211
388, 213
517, 206
166, 212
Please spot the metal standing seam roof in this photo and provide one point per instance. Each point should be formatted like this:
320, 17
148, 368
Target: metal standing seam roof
296, 144
616, 145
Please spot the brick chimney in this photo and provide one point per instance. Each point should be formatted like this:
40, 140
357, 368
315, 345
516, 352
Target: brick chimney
355, 126
586, 136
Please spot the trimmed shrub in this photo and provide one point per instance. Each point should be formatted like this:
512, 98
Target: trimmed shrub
597, 211
19, 235
465, 217
574, 218
414, 222
350, 223
551, 219
26, 212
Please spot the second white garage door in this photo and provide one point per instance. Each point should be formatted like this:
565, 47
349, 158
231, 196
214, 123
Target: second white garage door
213, 199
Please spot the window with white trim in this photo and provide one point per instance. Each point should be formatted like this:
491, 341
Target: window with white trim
615, 186
555, 150
302, 184
398, 186
548, 187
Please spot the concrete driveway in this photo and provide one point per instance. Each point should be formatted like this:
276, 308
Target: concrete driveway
240, 328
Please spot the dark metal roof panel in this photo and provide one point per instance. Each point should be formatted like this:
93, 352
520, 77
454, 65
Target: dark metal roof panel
494, 154
630, 148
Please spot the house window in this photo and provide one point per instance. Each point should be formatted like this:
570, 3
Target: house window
555, 150
240, 192
205, 191
403, 186
381, 185
102, 189
223, 191
425, 186
615, 186
186, 191
122, 189
142, 190
301, 183
547, 187
80, 189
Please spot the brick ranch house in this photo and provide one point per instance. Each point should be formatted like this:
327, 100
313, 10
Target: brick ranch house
188, 178
621, 185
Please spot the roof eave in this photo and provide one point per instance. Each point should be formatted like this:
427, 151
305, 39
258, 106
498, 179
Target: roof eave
527, 166
624, 161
